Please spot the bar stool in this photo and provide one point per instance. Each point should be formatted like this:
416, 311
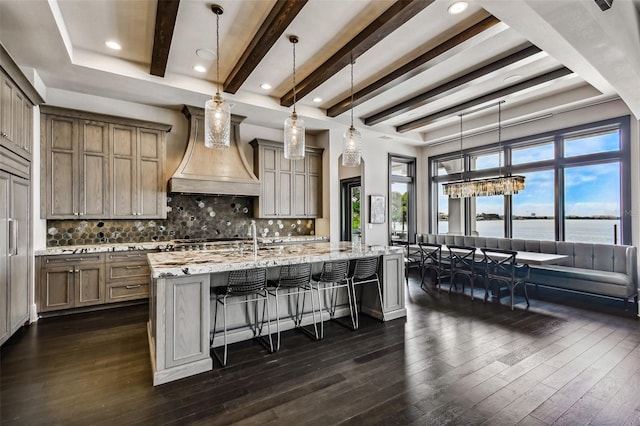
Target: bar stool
294, 280
333, 277
240, 286
365, 271
432, 260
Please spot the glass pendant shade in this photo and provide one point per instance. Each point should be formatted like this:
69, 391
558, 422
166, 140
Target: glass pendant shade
217, 123
294, 137
352, 148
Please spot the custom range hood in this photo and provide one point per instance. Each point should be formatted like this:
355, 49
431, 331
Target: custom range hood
212, 171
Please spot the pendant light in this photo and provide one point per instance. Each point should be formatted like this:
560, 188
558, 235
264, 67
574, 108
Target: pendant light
217, 112
352, 148
294, 125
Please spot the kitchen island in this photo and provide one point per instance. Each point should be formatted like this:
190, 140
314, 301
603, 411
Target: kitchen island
180, 320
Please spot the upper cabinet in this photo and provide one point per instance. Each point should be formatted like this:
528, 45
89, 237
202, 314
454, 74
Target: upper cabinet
17, 98
101, 167
289, 188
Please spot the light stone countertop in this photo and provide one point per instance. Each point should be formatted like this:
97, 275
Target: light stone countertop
182, 263
157, 245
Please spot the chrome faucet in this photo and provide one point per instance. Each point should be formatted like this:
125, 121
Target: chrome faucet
254, 234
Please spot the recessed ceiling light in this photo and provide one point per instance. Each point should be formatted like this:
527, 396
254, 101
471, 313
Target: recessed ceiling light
512, 78
111, 44
199, 68
206, 54
457, 7
317, 100
265, 86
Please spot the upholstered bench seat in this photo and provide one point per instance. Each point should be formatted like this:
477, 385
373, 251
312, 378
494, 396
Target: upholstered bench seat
606, 283
601, 269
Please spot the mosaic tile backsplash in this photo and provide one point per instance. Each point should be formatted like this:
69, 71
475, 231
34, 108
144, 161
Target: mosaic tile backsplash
188, 217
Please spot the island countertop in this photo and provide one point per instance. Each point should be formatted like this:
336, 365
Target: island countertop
175, 264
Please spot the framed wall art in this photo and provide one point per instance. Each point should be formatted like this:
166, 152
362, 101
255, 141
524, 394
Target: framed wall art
377, 209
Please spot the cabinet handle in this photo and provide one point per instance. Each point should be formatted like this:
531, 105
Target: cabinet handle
130, 287
71, 271
134, 267
81, 214
75, 214
13, 237
79, 259
3, 134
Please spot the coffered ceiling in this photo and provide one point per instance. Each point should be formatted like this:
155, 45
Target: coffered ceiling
416, 66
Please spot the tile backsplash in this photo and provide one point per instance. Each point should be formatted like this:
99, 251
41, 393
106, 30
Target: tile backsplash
188, 216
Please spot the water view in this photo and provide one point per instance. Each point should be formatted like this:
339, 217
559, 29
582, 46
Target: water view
578, 230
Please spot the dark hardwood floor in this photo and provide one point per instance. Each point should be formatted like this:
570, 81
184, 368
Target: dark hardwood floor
567, 360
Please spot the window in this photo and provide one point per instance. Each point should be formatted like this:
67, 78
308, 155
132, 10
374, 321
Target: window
534, 208
402, 198
577, 187
592, 143
592, 203
532, 153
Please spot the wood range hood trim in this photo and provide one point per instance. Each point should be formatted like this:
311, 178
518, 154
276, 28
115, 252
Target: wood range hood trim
211, 171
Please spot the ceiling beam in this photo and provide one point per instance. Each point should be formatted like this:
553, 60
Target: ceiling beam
281, 15
493, 96
424, 98
390, 20
488, 27
166, 14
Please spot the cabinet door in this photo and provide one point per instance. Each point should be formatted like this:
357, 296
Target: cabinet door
4, 252
93, 163
20, 258
123, 170
18, 125
285, 190
27, 125
62, 170
314, 185
90, 285
6, 109
269, 198
56, 288
151, 193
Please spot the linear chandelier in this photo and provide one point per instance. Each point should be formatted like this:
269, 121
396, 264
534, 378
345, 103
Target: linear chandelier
501, 185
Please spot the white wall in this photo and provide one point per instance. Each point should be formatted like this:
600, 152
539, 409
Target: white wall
375, 181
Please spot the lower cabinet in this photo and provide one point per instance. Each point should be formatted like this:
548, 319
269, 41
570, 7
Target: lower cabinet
127, 276
71, 281
79, 280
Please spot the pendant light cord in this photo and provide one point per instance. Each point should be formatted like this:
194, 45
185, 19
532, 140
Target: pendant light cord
500, 139
218, 52
461, 154
351, 90
294, 76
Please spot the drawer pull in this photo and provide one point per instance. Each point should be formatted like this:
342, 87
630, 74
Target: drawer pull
129, 287
134, 267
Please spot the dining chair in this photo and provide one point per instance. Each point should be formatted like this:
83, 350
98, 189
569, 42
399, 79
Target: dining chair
463, 263
501, 267
412, 257
433, 261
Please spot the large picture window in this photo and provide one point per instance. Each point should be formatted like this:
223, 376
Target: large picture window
577, 187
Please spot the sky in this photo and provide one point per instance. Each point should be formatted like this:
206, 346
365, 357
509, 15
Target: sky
589, 190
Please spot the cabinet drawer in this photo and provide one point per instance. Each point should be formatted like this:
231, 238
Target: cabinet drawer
125, 271
129, 256
74, 259
132, 291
